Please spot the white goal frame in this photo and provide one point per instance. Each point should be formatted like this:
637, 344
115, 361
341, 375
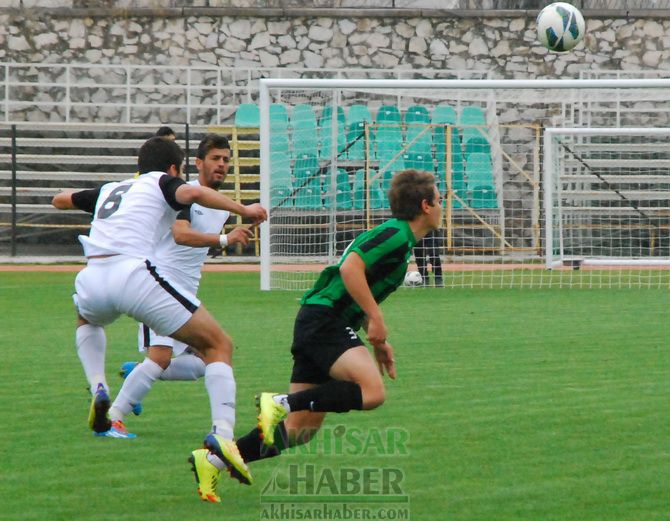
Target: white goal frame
549, 187
265, 85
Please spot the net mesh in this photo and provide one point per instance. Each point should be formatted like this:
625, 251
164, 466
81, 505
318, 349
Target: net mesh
333, 152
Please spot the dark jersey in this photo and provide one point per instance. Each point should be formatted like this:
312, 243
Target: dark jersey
385, 250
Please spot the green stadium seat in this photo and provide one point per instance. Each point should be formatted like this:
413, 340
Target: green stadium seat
307, 185
472, 115
278, 118
304, 131
480, 184
345, 196
388, 114
247, 115
326, 132
420, 161
446, 115
281, 195
280, 167
279, 144
356, 119
389, 139
376, 195
417, 118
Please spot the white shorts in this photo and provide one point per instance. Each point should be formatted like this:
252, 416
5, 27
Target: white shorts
112, 286
147, 337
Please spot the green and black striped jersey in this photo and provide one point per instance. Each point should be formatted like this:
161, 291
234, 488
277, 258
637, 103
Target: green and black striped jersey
385, 250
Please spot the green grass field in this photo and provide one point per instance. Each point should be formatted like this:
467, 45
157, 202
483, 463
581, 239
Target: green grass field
518, 405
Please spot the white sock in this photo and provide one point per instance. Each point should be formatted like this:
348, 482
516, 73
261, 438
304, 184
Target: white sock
220, 385
135, 388
282, 399
186, 366
216, 461
91, 347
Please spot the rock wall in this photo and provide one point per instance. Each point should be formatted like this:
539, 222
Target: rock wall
504, 45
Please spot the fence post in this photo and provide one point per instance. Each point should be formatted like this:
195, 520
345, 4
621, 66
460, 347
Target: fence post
13, 245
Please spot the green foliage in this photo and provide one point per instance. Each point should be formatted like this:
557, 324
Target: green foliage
519, 404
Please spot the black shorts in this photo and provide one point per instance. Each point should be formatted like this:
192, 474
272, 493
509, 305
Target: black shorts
319, 338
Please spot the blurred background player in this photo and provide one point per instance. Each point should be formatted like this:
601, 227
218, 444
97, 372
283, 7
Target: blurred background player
179, 257
333, 371
427, 251
121, 278
167, 133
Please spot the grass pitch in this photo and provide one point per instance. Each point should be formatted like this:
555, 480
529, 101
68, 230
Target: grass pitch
516, 404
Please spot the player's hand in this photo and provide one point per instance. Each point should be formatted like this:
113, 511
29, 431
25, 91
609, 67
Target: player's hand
385, 360
240, 234
376, 331
255, 212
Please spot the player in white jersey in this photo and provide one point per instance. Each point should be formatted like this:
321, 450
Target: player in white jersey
130, 218
179, 257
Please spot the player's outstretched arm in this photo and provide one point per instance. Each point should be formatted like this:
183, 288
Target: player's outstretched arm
188, 194
185, 235
63, 200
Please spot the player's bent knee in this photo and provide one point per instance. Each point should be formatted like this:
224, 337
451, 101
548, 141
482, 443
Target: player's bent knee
373, 397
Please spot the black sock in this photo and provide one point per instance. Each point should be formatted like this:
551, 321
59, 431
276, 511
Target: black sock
252, 448
333, 396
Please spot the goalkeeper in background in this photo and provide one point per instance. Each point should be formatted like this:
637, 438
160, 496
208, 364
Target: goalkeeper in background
333, 371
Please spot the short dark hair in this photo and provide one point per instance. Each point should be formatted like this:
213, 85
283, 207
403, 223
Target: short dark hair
409, 189
209, 142
157, 154
165, 131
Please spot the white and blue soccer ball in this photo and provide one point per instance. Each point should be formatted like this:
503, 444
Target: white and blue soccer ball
413, 278
560, 26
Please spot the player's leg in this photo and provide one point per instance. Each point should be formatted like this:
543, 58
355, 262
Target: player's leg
204, 334
138, 384
297, 429
185, 366
94, 310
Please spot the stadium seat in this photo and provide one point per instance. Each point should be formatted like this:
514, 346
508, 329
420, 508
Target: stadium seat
307, 183
247, 115
388, 114
280, 167
358, 116
472, 115
343, 196
417, 118
281, 195
376, 195
389, 139
420, 161
446, 115
480, 184
279, 144
278, 117
304, 131
326, 132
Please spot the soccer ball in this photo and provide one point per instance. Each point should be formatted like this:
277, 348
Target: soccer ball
413, 278
560, 26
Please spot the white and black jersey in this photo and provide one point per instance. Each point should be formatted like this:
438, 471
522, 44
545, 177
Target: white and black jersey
130, 217
183, 264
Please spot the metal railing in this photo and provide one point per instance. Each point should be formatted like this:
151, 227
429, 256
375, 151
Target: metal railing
136, 94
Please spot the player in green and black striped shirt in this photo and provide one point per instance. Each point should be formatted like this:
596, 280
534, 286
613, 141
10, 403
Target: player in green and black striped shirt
333, 371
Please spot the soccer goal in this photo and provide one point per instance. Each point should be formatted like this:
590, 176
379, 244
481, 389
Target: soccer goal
538, 191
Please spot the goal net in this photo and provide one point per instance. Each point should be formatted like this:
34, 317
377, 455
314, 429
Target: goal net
515, 214
607, 197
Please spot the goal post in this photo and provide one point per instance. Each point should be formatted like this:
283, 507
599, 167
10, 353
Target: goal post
329, 148
607, 197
